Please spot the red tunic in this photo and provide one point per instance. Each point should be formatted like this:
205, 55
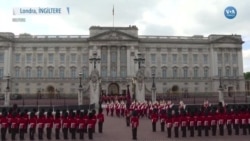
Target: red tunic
32, 122
100, 117
91, 123
154, 117
40, 122
81, 123
4, 122
57, 123
135, 122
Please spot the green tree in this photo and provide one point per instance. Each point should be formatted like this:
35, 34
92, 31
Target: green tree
247, 75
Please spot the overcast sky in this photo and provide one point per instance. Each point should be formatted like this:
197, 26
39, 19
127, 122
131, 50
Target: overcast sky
152, 17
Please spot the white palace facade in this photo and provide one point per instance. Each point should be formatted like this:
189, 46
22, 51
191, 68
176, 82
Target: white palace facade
180, 63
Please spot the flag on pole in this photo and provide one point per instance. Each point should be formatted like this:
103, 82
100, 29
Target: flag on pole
113, 11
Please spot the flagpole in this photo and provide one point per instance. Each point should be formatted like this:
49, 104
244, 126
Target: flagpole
113, 15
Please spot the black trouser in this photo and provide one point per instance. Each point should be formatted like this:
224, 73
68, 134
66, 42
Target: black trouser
57, 132
236, 128
162, 126
32, 133
90, 133
221, 128
100, 127
176, 132
3, 133
128, 121
169, 132
85, 129
81, 133
40, 133
229, 129
48, 130
206, 130
214, 128
21, 133
134, 133
184, 131
65, 133
248, 126
191, 128
13, 133
73, 133
199, 128
154, 126
244, 129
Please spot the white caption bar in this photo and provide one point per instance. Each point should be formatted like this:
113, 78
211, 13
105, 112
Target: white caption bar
41, 11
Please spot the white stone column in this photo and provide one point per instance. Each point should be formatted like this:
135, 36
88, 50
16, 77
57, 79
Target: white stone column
140, 91
153, 94
221, 96
80, 93
7, 98
108, 66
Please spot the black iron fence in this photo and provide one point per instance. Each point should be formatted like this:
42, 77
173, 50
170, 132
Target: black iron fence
44, 99
200, 97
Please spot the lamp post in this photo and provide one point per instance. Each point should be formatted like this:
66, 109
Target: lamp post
153, 88
221, 96
94, 59
80, 89
7, 94
139, 60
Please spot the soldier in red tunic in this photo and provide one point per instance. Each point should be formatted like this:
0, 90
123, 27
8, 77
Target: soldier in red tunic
100, 119
134, 124
32, 125
199, 123
40, 124
221, 121
57, 124
49, 124
154, 119
213, 123
4, 124
176, 123
191, 124
162, 119
169, 123
183, 123
207, 122
22, 125
65, 125
81, 125
91, 124
73, 126
14, 126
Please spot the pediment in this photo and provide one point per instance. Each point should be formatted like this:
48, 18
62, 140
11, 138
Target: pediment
227, 39
113, 35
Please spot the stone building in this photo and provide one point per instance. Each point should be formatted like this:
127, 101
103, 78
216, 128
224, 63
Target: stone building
180, 63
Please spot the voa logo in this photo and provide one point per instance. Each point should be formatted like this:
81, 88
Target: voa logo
230, 12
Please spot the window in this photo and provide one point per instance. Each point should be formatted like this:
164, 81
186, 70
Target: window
113, 72
164, 58
185, 58
195, 58
113, 57
104, 72
153, 58
73, 58
39, 58
28, 72
73, 72
61, 72
18, 58
164, 72
226, 58
1, 72
196, 72
28, 58
104, 57
219, 57
1, 57
50, 72
235, 58
62, 58
85, 72
123, 56
206, 72
51, 58
219, 72
85, 59
174, 58
235, 72
185, 72
205, 58
228, 71
17, 72
175, 73
123, 72
27, 90
39, 72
